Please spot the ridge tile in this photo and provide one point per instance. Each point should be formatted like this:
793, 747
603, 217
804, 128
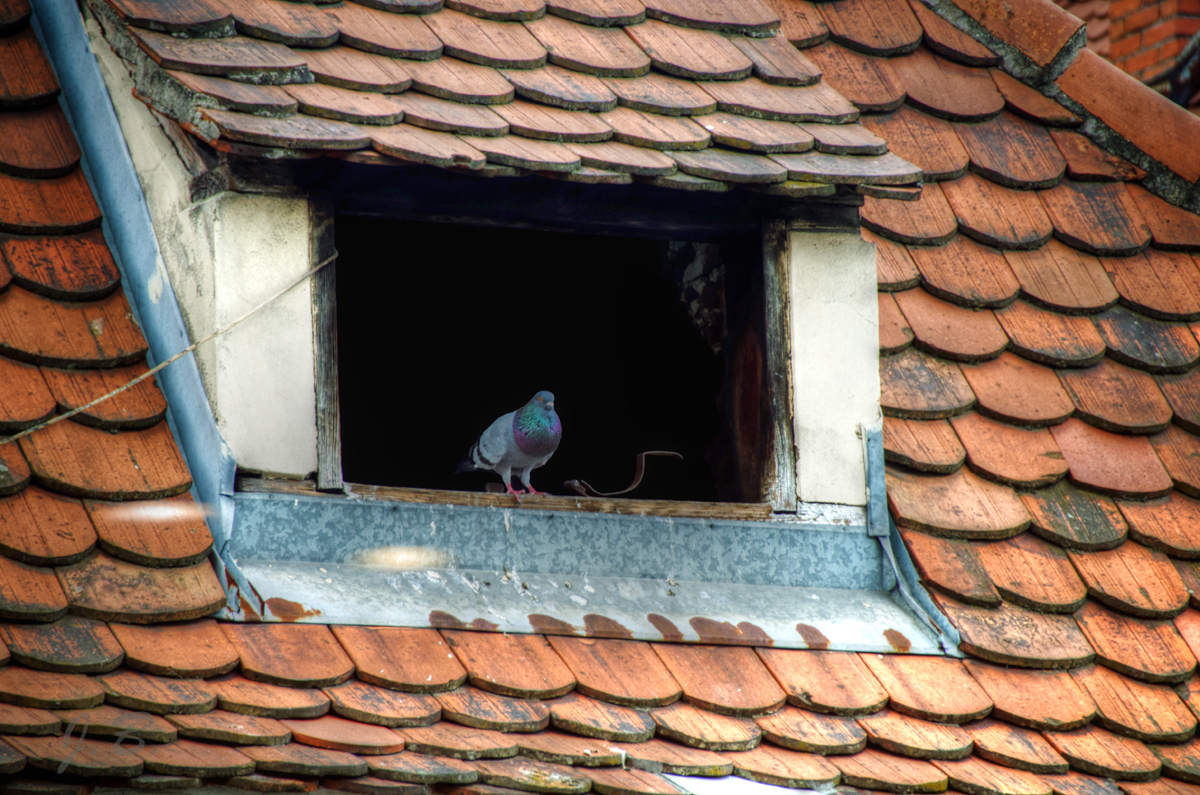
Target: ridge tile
1038, 29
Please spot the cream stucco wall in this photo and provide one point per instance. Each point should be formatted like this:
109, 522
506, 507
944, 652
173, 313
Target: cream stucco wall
222, 256
835, 361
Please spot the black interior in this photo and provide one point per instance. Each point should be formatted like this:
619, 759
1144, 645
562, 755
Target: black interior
442, 328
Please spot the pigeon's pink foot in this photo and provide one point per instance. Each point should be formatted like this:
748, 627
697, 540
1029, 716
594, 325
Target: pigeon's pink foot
532, 490
514, 492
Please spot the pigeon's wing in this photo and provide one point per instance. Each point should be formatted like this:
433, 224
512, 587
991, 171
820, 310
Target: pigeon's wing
495, 445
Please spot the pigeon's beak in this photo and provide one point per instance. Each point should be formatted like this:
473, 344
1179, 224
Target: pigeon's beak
550, 404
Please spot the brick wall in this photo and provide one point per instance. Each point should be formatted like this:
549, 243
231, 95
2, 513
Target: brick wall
1143, 37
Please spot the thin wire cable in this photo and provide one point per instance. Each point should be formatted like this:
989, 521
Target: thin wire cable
175, 358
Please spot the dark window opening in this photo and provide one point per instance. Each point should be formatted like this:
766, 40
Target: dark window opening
647, 345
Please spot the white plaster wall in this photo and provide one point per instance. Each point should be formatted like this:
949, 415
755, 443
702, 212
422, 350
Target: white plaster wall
222, 257
835, 361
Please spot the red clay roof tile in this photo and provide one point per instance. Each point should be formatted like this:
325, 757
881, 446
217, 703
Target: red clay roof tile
1010, 635
24, 720
502, 10
564, 749
97, 334
1038, 29
619, 671
26, 79
1018, 457
604, 52
745, 16
1100, 218
109, 721
784, 768
1014, 390
950, 331
912, 737
1151, 713
25, 400
88, 758
1076, 519
775, 61
1181, 393
370, 704
947, 40
1117, 398
14, 476
46, 690
238, 694
895, 269
812, 732
1027, 102
825, 681
895, 334
947, 89
1178, 761
1118, 465
928, 220
924, 140
44, 528
1168, 524
1152, 651
1087, 162
927, 445
480, 709
157, 694
339, 66
59, 205
194, 649
88, 462
340, 734
1047, 700
191, 758
527, 774
1095, 751
1014, 747
110, 589
617, 781
1034, 574
139, 407
305, 132
167, 532
960, 505
515, 665
887, 28
1013, 152
952, 567
1161, 284
998, 216
1059, 277
966, 273
1050, 338
801, 23
910, 682
457, 742
1154, 346
591, 718
1132, 579
702, 729
692, 54
30, 593
272, 20
230, 727
1173, 228
875, 770
414, 660
917, 386
37, 143
673, 758
297, 655
974, 774
1148, 120
69, 645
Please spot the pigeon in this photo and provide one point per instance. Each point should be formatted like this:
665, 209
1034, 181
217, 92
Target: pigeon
518, 442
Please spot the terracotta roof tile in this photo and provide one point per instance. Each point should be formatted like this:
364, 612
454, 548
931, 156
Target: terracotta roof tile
825, 681
960, 505
238, 694
952, 567
1087, 162
190, 758
89, 758
1152, 651
138, 407
229, 727
1023, 458
340, 734
1059, 277
619, 671
23, 720
27, 80
775, 61
663, 95
875, 770
457, 742
156, 694
1050, 338
928, 220
452, 79
1117, 398
1151, 713
25, 399
1132, 579
1076, 519
881, 28
30, 593
370, 704
37, 143
693, 54
591, 718
868, 81
97, 334
1034, 574
917, 386
69, 645
721, 164
1178, 761
1151, 345
1027, 102
1038, 29
1169, 524
702, 729
45, 690
1161, 284
895, 269
14, 477
925, 140
966, 273
502, 10
915, 738
1039, 699
1014, 390
951, 42
480, 709
195, 649
1181, 394
272, 20
895, 334
1010, 635
1100, 218
109, 721
976, 775
617, 781
1013, 152
304, 132
1151, 122
947, 89
516, 665
1014, 747
605, 52
950, 331
348, 68
298, 655
996, 215
414, 660
67, 268
169, 532
173, 18
812, 732
88, 462
784, 768
1095, 751
109, 589
1112, 464
801, 23
342, 104
955, 699
673, 758
44, 528
930, 446
1173, 228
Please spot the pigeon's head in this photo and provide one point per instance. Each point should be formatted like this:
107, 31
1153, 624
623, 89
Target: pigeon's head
543, 400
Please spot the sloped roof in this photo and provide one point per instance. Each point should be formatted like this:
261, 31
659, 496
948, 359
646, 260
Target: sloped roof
1047, 316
